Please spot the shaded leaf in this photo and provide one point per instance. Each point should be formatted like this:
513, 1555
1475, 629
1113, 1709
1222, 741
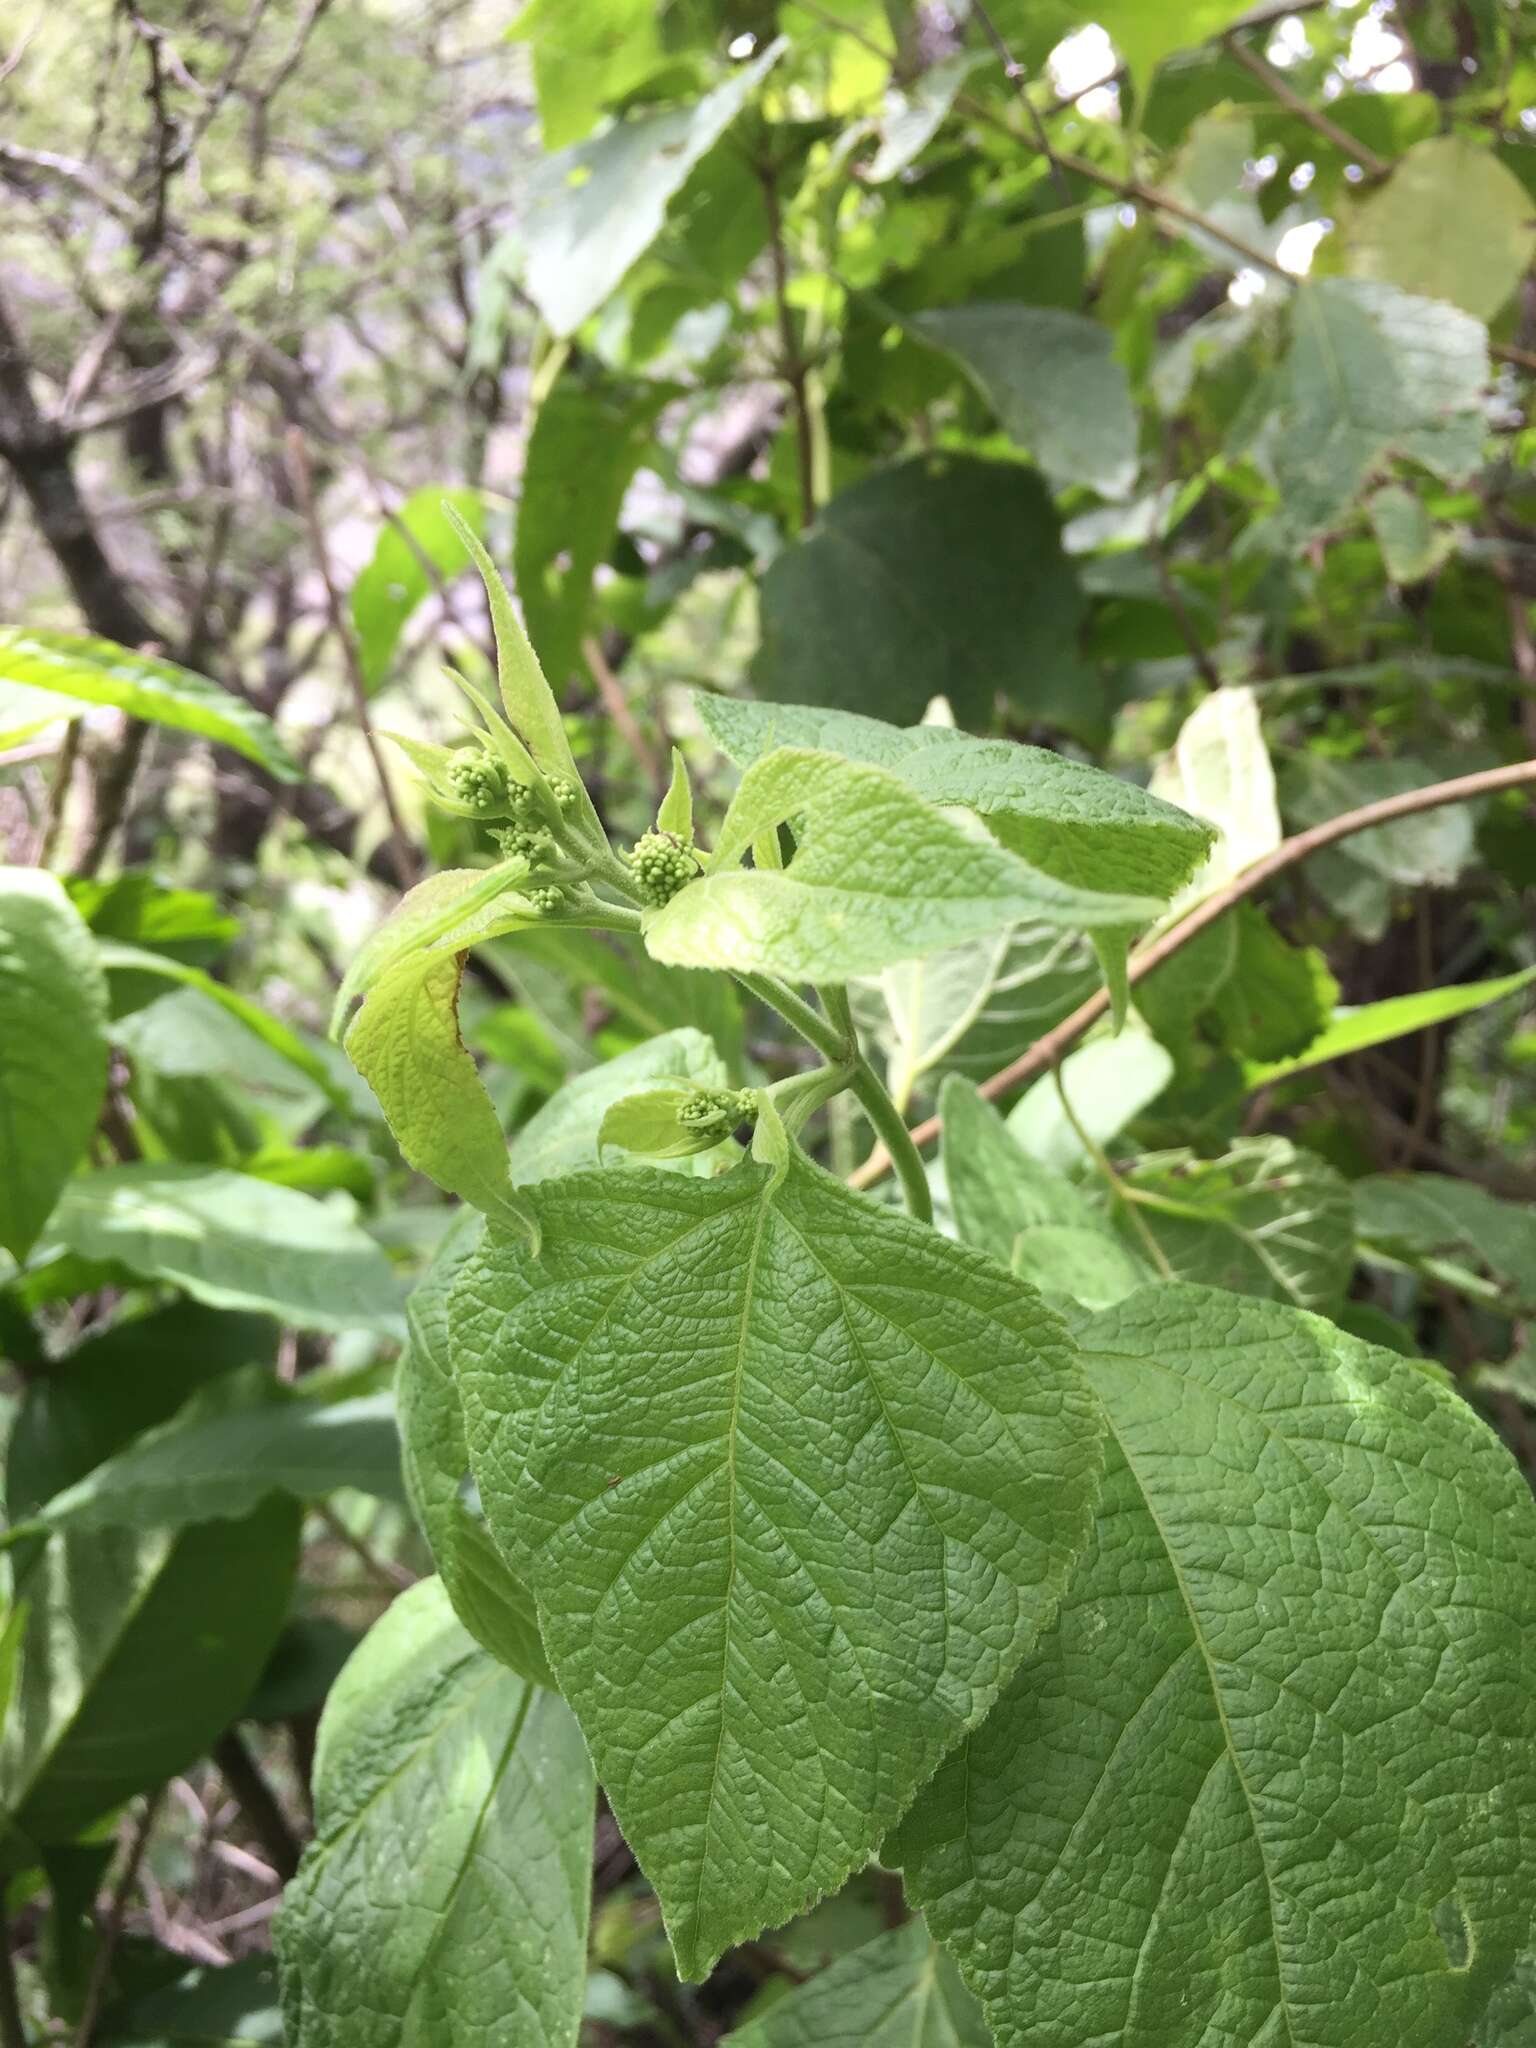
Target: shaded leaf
1451, 222
1263, 1781
1055, 384
898, 1991
1430, 1216
1268, 1218
81, 671
587, 441
940, 576
232, 1241
53, 1049
415, 551
425, 1917
1372, 371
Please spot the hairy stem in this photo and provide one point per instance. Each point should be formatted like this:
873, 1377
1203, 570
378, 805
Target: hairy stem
1046, 1051
834, 1045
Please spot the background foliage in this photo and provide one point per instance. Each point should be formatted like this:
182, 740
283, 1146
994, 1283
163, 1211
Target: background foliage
1151, 385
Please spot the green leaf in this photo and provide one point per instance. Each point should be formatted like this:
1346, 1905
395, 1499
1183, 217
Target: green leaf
443, 914
1055, 384
940, 576
1450, 223
493, 1605
650, 1125
445, 1895
897, 1991
676, 812
1434, 847
1030, 1219
1074, 822
1108, 1084
594, 210
132, 1376
587, 442
227, 1451
1276, 998
53, 1049
116, 1692
184, 924
234, 2006
877, 876
232, 1241
1510, 2021
1263, 1782
1430, 1216
586, 59
1146, 31
1357, 1029
1412, 546
1267, 1219
794, 1481
272, 1032
526, 697
912, 118
1219, 769
563, 1136
405, 1043
81, 671
415, 552
1372, 372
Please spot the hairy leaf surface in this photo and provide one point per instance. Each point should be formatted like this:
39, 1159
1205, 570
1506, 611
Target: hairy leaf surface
445, 1895
1264, 1781
794, 1481
1077, 823
878, 876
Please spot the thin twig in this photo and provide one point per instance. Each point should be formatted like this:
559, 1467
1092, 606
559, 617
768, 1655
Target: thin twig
58, 794
1046, 1051
616, 704
101, 1967
12, 2033
791, 364
304, 491
384, 1569
1286, 93
1018, 78
258, 1802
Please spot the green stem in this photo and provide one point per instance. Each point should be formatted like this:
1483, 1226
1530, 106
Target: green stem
834, 1045
1117, 1186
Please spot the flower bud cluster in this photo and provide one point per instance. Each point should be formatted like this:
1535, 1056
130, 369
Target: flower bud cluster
661, 865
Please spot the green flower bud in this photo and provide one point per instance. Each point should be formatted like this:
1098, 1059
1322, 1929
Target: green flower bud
523, 842
715, 1112
563, 790
547, 901
661, 866
479, 782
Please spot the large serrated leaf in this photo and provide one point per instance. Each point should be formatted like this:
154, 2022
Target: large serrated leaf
878, 876
794, 1482
445, 1896
53, 1048
1264, 1781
